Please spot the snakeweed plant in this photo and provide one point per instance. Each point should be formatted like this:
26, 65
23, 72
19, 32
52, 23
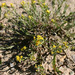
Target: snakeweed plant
33, 28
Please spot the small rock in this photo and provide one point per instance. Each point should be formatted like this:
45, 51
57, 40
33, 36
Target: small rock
73, 56
5, 73
46, 67
50, 67
60, 59
12, 66
70, 54
49, 58
70, 64
66, 71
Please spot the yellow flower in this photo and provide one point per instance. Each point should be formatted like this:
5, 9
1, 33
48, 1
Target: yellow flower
30, 17
60, 47
52, 52
39, 37
47, 11
39, 40
18, 58
34, 37
21, 49
66, 46
54, 46
65, 43
36, 66
3, 5
58, 51
24, 47
37, 70
11, 4
22, 16
43, 3
34, 1
21, 57
22, 3
33, 58
52, 20
38, 43
5, 15
43, 74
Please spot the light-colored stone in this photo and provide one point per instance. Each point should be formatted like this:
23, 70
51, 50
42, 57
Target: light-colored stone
66, 71
73, 56
60, 59
70, 54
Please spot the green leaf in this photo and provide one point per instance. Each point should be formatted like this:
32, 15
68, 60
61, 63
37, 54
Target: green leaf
54, 62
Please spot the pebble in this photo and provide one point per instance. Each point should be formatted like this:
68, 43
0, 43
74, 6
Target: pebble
73, 56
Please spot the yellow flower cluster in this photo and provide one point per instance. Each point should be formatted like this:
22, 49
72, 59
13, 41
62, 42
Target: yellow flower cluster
58, 49
33, 58
30, 17
24, 48
52, 20
11, 4
34, 2
38, 67
44, 4
54, 46
39, 37
38, 43
65, 43
19, 58
3, 5
48, 11
52, 52
5, 15
22, 16
39, 40
34, 37
23, 3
